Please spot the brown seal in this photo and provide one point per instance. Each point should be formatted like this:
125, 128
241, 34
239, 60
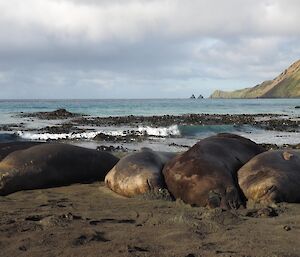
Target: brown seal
205, 175
272, 177
138, 173
49, 165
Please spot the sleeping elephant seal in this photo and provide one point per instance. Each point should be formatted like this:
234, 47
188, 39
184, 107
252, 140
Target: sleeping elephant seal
205, 175
7, 148
50, 165
138, 173
272, 177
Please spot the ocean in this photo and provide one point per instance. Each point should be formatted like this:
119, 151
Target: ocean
147, 107
164, 138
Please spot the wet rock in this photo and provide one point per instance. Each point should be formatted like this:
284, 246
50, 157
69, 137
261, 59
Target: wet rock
57, 114
130, 136
64, 128
178, 145
280, 147
279, 125
112, 148
11, 127
186, 119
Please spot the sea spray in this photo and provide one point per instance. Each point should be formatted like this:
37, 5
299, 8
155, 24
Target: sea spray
160, 131
140, 131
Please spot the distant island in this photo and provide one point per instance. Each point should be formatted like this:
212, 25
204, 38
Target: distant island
194, 97
286, 85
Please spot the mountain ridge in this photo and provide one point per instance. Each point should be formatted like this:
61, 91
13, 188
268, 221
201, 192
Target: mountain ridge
286, 85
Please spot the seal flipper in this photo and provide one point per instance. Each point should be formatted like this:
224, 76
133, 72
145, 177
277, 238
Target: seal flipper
232, 198
228, 199
214, 199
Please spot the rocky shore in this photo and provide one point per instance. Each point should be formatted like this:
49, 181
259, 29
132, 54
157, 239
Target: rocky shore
57, 114
131, 132
74, 120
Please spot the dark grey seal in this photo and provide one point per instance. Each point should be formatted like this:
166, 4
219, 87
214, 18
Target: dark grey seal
7, 148
50, 165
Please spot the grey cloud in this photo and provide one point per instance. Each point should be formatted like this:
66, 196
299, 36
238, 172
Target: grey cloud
74, 48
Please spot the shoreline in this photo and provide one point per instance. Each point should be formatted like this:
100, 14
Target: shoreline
160, 132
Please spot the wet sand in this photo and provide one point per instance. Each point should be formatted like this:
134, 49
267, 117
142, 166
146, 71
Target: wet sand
90, 220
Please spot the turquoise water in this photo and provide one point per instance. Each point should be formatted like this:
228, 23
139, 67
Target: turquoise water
177, 134
153, 106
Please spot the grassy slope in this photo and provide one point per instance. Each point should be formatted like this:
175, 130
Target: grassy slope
287, 84
290, 87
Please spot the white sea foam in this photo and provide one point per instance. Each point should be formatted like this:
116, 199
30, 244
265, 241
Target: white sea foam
46, 136
150, 131
160, 131
83, 135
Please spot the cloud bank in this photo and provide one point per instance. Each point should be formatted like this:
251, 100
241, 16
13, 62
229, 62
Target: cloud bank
142, 48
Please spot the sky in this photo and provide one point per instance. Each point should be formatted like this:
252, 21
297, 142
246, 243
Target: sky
143, 48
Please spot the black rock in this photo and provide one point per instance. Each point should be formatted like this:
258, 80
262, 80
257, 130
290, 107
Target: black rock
57, 114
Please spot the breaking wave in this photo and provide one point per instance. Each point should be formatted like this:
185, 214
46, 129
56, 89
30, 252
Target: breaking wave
140, 131
172, 131
160, 131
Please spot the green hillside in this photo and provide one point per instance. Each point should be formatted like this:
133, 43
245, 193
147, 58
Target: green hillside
286, 85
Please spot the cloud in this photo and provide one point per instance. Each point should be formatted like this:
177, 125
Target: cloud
115, 47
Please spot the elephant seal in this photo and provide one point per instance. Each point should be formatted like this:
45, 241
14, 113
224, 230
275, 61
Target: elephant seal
272, 177
138, 173
7, 148
205, 175
50, 165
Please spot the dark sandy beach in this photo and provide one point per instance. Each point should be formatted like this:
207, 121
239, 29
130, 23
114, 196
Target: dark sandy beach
91, 220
